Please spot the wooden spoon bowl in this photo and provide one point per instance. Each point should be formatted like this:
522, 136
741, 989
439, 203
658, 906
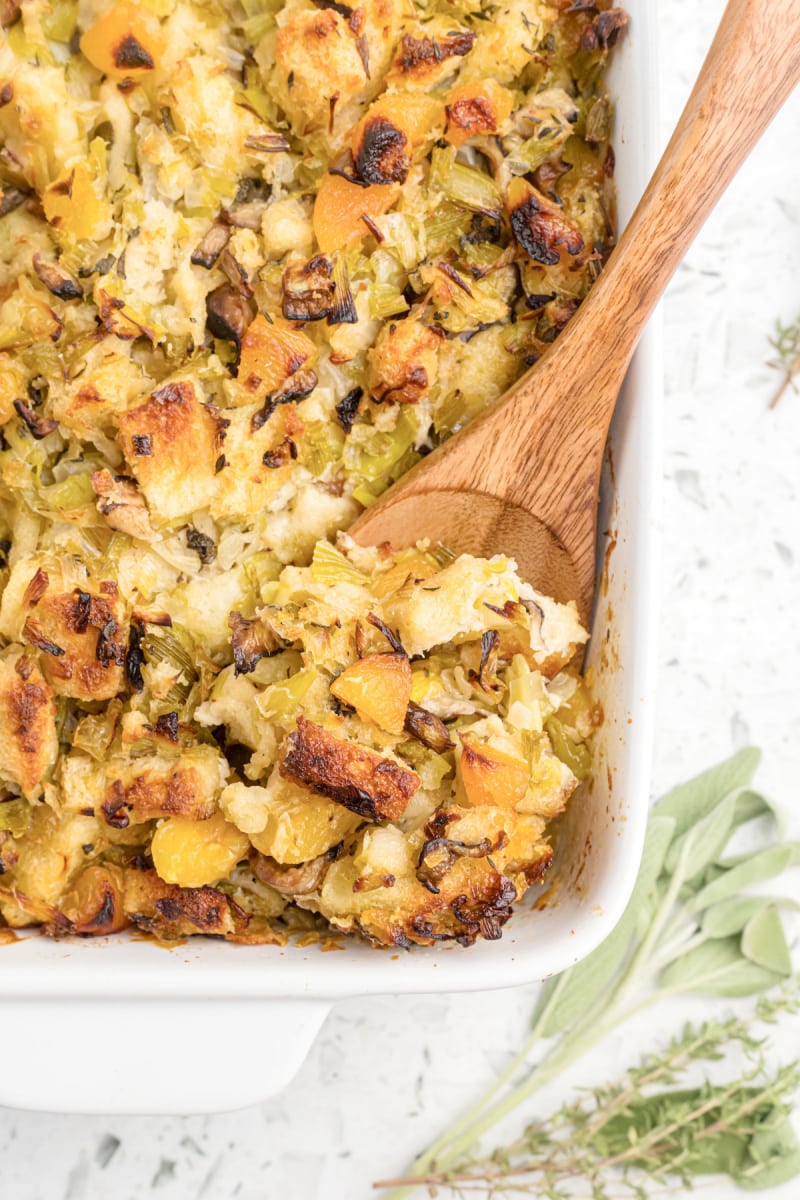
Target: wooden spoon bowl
523, 478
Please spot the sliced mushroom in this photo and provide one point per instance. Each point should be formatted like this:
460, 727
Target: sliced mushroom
299, 880
251, 641
206, 253
56, 279
308, 290
122, 504
228, 313
427, 728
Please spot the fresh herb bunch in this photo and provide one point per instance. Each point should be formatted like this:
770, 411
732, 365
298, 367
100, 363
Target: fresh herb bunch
691, 925
787, 344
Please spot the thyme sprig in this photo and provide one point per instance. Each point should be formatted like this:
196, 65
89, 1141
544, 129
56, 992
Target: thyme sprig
691, 925
787, 344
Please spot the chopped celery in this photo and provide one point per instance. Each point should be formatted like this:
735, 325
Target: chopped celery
95, 732
71, 493
473, 189
59, 23
330, 566
15, 816
385, 450
282, 699
528, 702
386, 300
573, 753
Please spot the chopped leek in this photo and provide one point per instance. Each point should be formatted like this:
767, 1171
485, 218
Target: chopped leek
573, 753
330, 566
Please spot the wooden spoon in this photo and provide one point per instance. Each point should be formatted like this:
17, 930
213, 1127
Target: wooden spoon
523, 477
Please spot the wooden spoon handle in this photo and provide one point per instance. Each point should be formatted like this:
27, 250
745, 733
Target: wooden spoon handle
751, 68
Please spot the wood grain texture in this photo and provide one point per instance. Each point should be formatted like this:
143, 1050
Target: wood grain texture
523, 477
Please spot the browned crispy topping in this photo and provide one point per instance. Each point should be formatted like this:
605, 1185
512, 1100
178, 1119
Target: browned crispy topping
33, 634
347, 408
472, 114
540, 227
382, 153
414, 51
130, 55
374, 787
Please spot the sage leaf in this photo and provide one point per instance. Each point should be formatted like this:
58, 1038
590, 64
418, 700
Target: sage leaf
770, 1174
731, 916
717, 968
691, 801
765, 864
705, 841
751, 804
567, 997
764, 942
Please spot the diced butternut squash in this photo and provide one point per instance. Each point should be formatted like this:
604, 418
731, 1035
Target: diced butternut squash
475, 108
74, 204
125, 42
392, 134
492, 776
378, 687
195, 853
271, 353
343, 210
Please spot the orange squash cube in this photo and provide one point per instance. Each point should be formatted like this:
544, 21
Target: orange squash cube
378, 687
491, 776
476, 108
391, 135
73, 205
271, 353
125, 42
343, 210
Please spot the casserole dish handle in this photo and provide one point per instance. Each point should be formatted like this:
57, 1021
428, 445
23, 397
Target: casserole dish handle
153, 1057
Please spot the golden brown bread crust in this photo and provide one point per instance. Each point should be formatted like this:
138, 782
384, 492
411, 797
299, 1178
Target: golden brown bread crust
153, 793
374, 787
172, 444
27, 718
169, 911
82, 638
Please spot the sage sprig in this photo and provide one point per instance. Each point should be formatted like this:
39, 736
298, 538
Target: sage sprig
691, 925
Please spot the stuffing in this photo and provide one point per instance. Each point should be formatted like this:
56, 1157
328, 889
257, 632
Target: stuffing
256, 261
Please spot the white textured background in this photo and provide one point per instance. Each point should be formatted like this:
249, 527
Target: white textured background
386, 1075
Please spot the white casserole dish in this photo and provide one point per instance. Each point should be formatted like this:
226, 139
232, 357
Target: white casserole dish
124, 1026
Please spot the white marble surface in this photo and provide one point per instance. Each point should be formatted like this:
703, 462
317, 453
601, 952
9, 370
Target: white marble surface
387, 1074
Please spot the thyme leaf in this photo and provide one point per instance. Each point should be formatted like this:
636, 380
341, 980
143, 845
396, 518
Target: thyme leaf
691, 926
787, 345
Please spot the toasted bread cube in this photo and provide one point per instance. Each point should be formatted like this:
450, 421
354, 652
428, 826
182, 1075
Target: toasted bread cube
375, 787
172, 444
28, 719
